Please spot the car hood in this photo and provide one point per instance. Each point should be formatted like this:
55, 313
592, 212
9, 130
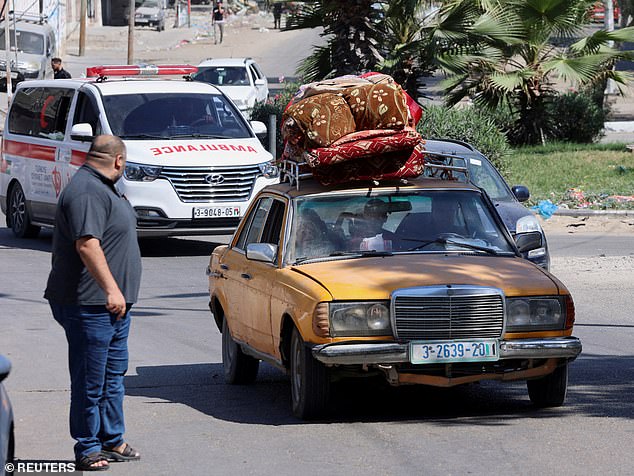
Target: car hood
197, 152
510, 212
148, 10
377, 277
238, 92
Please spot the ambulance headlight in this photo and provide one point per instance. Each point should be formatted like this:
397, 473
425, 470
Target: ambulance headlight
269, 170
141, 173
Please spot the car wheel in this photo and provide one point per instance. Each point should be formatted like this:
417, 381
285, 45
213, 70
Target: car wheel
19, 214
239, 368
310, 381
549, 391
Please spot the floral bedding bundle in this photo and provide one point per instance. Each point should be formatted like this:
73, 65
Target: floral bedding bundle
354, 128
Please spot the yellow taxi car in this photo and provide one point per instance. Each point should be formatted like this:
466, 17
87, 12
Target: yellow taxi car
420, 282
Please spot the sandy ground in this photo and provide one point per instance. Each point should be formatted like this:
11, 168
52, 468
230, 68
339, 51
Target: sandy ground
597, 224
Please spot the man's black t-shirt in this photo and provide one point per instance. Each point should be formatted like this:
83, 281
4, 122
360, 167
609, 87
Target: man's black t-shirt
218, 14
91, 206
62, 74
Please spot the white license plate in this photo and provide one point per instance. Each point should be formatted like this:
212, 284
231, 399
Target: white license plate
141, 20
216, 212
437, 352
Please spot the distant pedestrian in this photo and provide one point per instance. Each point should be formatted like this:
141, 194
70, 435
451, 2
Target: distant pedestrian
218, 21
58, 70
93, 283
277, 15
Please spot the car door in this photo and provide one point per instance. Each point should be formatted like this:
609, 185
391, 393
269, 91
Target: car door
260, 83
249, 282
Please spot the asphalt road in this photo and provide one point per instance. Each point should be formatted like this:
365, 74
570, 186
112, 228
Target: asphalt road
185, 420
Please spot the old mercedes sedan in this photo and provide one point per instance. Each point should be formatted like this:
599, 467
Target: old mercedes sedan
417, 281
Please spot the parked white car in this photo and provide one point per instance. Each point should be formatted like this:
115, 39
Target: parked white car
241, 79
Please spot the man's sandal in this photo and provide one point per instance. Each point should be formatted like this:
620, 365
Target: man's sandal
127, 453
87, 462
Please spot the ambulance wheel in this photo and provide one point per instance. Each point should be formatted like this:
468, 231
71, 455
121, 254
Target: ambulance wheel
18, 215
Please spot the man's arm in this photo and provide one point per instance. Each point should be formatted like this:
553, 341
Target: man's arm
91, 254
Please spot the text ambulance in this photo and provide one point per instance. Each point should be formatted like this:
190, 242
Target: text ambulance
193, 163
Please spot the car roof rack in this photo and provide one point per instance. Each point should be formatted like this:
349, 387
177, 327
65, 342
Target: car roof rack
437, 165
38, 19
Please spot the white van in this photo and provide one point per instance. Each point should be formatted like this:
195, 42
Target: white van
193, 165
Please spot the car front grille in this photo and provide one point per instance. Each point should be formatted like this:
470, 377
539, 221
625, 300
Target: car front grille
204, 184
442, 312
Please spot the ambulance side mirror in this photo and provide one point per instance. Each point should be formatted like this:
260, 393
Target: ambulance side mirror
82, 132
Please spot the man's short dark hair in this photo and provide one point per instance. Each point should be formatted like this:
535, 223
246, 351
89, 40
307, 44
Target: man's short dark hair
56, 60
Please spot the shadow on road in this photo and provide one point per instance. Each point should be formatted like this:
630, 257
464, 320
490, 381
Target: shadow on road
165, 247
599, 386
42, 243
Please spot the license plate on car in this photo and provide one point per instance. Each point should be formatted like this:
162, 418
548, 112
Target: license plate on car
216, 212
438, 352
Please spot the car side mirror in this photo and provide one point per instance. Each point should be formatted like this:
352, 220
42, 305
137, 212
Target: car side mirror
5, 367
265, 252
259, 82
521, 192
82, 132
528, 241
259, 128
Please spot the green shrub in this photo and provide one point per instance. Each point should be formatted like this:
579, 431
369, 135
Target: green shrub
468, 124
274, 105
577, 118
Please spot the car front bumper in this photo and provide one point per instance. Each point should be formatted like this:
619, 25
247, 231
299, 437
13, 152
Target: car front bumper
393, 353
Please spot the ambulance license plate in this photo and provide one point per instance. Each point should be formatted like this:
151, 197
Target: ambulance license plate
216, 212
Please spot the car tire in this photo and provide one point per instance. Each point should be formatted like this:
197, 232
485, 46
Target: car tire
239, 368
549, 391
310, 381
18, 214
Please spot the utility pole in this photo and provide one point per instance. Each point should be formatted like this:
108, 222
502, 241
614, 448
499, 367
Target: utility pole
7, 42
131, 34
82, 27
608, 21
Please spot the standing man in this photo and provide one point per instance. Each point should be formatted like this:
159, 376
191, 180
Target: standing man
218, 20
58, 70
94, 282
277, 15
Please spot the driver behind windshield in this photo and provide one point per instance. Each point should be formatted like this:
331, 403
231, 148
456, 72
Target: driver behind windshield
368, 230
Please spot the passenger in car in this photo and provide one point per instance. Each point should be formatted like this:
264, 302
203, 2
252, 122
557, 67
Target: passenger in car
368, 232
312, 238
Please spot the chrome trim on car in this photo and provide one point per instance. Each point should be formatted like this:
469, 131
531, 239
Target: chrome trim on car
391, 352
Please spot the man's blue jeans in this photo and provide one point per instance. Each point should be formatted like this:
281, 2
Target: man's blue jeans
98, 361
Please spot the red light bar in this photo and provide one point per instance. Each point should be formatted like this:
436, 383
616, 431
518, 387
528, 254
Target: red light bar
140, 70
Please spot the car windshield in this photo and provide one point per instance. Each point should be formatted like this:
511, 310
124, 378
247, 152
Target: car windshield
405, 222
171, 115
27, 42
482, 173
223, 76
150, 4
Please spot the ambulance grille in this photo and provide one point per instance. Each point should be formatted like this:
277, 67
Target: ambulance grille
204, 184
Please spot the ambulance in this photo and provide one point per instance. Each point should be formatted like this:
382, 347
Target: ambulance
194, 162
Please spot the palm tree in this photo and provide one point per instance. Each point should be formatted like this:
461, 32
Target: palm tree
353, 31
503, 53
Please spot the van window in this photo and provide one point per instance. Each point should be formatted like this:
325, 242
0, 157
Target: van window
28, 42
40, 112
53, 114
87, 112
23, 111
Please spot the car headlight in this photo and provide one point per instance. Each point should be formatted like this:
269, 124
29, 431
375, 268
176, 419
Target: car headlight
141, 173
360, 319
269, 170
527, 224
535, 314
